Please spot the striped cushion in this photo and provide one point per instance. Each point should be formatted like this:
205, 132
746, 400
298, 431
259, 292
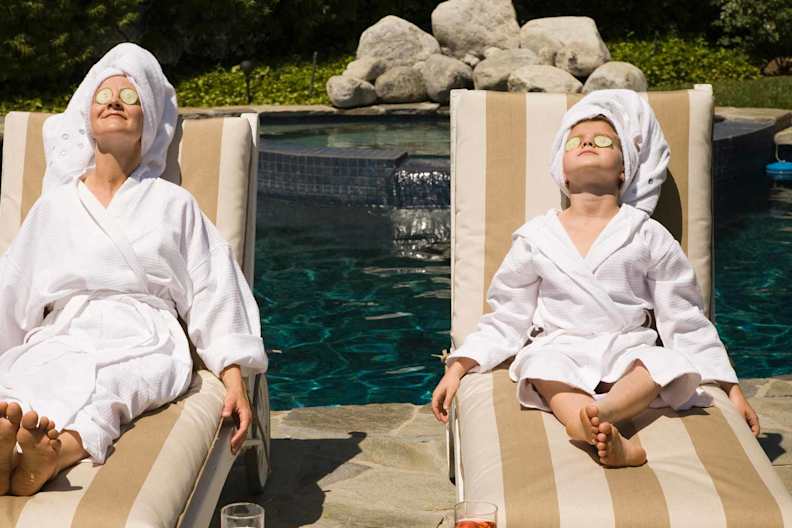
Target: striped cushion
152, 473
146, 481
705, 466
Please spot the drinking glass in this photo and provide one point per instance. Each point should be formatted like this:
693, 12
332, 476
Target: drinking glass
475, 514
242, 515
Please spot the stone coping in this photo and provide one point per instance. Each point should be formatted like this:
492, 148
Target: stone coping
383, 465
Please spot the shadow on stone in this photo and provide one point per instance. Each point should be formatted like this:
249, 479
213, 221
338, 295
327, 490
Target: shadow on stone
771, 444
301, 469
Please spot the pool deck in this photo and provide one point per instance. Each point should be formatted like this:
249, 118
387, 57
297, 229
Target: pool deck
384, 465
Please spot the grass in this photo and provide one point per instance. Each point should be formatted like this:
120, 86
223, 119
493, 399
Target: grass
766, 92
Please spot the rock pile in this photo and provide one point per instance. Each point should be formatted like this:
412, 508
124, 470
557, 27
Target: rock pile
478, 45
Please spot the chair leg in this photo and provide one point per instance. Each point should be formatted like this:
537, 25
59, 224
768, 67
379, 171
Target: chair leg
257, 447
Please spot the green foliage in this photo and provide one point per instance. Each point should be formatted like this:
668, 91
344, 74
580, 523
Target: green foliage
673, 61
45, 41
275, 83
767, 92
761, 28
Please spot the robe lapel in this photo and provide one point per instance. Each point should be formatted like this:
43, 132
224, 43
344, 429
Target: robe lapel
556, 246
110, 226
619, 231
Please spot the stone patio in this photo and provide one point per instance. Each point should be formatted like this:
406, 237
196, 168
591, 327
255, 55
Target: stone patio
384, 465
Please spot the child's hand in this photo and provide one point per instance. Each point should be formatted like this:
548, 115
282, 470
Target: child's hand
743, 407
445, 391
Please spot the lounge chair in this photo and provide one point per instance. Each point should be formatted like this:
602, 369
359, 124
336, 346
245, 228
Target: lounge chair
169, 465
705, 468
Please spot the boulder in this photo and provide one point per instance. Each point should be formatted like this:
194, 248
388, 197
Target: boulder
402, 84
616, 74
575, 42
471, 60
396, 42
348, 92
491, 52
366, 69
542, 78
493, 73
471, 26
442, 74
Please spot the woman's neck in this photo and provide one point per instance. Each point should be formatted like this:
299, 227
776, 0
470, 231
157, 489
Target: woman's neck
112, 170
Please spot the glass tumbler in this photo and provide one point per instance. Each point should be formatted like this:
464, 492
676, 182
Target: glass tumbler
242, 515
475, 514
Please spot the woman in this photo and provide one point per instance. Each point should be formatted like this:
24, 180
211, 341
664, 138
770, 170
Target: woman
103, 266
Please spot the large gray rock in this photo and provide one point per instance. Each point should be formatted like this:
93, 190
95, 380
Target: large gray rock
396, 42
366, 69
402, 84
616, 74
541, 78
348, 92
442, 74
493, 73
471, 26
574, 41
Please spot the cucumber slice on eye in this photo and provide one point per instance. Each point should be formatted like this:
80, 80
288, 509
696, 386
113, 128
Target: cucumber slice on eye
572, 143
603, 141
103, 96
129, 96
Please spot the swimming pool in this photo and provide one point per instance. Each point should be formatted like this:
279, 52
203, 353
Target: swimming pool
358, 298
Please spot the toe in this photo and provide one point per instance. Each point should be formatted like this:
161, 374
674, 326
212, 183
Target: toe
53, 434
601, 446
14, 413
44, 423
602, 437
3, 408
30, 420
605, 428
56, 444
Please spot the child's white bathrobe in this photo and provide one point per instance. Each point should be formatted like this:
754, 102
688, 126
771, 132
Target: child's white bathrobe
592, 311
112, 283
90, 296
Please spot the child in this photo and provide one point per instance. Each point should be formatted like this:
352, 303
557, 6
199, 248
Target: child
577, 286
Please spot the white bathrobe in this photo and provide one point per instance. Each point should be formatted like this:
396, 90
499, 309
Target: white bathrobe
89, 300
592, 312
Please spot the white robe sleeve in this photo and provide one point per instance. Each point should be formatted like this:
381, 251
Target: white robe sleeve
680, 315
222, 318
14, 293
512, 296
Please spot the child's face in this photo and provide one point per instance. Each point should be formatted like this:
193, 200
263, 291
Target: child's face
589, 167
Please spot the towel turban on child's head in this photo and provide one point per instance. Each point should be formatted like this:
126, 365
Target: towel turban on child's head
68, 143
644, 147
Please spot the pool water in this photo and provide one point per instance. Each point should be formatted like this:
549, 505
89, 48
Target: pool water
753, 286
421, 137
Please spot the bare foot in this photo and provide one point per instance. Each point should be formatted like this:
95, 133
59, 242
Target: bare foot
38, 463
616, 451
10, 416
589, 423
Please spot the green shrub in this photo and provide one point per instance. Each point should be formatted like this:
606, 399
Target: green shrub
673, 61
761, 28
276, 83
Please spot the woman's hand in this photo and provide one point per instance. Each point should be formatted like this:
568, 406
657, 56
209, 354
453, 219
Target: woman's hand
743, 407
236, 405
445, 391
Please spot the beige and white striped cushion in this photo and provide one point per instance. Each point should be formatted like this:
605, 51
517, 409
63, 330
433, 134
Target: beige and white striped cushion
152, 473
705, 469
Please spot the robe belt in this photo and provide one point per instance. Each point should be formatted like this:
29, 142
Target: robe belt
62, 308
547, 330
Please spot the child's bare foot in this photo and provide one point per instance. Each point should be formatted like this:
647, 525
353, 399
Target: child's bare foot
10, 416
40, 446
616, 451
589, 423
